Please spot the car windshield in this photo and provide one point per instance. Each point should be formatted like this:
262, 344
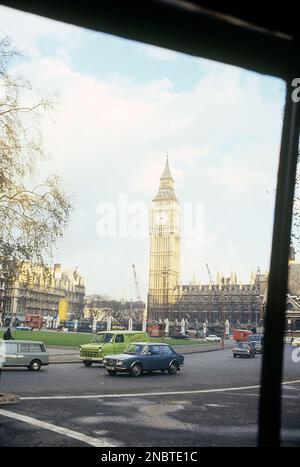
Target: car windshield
243, 344
136, 349
103, 338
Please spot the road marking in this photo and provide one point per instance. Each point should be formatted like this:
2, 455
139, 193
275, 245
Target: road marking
244, 394
216, 405
147, 394
57, 429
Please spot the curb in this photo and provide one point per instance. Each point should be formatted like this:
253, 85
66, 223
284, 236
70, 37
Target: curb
9, 399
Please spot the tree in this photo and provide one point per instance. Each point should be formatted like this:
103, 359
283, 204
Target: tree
296, 211
96, 306
33, 217
101, 308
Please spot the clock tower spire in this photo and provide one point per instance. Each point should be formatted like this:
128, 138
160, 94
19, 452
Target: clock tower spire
164, 267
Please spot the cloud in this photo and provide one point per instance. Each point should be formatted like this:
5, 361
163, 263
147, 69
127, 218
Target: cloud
158, 53
111, 135
28, 30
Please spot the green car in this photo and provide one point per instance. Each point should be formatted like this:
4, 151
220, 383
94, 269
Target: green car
109, 342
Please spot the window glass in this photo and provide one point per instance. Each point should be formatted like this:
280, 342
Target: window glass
24, 347
155, 348
11, 348
119, 338
169, 162
166, 351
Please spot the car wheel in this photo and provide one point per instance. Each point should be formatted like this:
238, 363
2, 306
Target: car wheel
173, 368
112, 372
137, 369
35, 365
87, 362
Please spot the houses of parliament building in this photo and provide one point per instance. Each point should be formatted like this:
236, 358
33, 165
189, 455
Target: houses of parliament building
217, 301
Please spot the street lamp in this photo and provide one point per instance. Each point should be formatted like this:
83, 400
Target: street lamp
256, 317
223, 325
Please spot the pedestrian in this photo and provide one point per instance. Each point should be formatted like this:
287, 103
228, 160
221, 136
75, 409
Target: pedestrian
291, 341
7, 335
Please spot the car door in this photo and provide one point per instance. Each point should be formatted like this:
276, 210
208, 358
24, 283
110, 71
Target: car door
11, 353
166, 354
153, 361
119, 343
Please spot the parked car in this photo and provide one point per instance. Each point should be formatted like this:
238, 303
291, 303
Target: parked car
213, 338
31, 354
109, 342
144, 356
24, 327
244, 349
180, 336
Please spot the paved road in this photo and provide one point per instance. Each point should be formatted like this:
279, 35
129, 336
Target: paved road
152, 410
71, 354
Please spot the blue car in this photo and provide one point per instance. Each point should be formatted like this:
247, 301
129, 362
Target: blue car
144, 356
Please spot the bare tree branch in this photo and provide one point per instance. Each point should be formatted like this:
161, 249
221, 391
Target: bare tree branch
32, 218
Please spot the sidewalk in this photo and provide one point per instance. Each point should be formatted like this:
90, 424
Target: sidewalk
71, 354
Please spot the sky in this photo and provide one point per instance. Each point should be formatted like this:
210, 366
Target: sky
121, 107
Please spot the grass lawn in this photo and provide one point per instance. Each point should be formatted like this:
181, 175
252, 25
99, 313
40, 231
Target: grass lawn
52, 337
75, 339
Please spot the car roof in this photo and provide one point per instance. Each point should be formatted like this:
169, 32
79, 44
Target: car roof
149, 343
17, 341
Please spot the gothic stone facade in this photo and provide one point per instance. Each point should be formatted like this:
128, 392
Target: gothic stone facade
167, 298
38, 290
239, 303
164, 269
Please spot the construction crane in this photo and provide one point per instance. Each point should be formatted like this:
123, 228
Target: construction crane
136, 283
209, 275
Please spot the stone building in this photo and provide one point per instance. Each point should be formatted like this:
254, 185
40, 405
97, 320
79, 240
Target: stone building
224, 300
38, 290
294, 274
293, 296
164, 267
168, 298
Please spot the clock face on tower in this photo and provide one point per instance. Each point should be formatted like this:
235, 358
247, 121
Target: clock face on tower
161, 218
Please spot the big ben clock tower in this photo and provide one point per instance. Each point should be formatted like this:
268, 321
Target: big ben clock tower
164, 268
